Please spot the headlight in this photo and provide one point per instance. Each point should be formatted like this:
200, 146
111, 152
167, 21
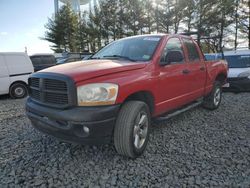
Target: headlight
245, 74
97, 94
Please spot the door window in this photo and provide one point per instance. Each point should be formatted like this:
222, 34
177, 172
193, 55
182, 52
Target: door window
193, 54
173, 44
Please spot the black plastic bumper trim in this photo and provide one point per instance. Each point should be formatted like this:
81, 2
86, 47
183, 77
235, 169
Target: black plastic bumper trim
67, 125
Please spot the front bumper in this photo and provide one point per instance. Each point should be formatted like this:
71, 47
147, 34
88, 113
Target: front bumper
239, 84
70, 124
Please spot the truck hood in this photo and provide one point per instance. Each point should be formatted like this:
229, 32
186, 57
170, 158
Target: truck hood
85, 70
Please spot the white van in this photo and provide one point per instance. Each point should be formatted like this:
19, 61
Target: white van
15, 69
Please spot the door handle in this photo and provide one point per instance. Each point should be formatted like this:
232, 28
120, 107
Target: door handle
186, 71
202, 68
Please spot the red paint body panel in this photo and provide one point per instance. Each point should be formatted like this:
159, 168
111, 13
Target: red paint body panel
81, 71
168, 85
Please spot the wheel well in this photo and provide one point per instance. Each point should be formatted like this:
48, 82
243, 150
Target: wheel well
221, 78
21, 82
143, 96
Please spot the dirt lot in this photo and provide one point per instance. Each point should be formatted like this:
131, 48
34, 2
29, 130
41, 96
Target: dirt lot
197, 148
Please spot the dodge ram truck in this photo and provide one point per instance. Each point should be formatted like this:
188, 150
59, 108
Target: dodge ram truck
113, 96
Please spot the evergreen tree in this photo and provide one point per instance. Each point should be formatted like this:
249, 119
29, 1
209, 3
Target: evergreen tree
178, 14
134, 15
82, 37
110, 16
62, 30
188, 14
244, 19
149, 15
94, 29
219, 21
164, 15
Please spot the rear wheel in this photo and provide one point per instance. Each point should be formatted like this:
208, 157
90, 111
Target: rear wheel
213, 100
132, 129
18, 91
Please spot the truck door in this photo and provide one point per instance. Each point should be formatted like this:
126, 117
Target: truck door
4, 76
197, 69
173, 79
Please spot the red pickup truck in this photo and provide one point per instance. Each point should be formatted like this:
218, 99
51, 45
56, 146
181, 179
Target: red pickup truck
115, 94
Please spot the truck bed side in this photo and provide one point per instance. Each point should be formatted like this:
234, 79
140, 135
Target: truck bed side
215, 70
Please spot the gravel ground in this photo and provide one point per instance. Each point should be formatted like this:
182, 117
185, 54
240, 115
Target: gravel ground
197, 148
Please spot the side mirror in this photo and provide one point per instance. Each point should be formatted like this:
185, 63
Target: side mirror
173, 56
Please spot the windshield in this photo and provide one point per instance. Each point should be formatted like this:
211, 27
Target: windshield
133, 49
238, 61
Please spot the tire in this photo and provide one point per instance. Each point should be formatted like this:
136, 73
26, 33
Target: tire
131, 136
18, 91
213, 100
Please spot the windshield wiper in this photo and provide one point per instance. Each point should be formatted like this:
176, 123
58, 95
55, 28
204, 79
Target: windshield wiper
94, 58
120, 56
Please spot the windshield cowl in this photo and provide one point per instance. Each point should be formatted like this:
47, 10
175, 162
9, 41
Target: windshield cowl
119, 57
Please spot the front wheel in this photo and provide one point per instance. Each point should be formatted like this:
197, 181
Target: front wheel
213, 100
132, 129
18, 91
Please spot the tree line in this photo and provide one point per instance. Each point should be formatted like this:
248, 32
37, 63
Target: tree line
219, 23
